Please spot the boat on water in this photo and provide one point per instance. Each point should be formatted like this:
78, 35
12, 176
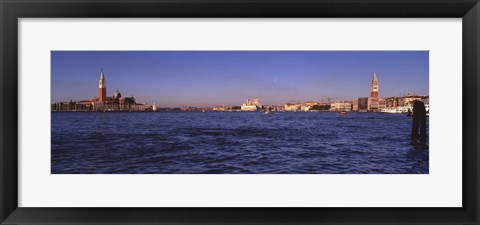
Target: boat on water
404, 110
397, 110
342, 113
269, 112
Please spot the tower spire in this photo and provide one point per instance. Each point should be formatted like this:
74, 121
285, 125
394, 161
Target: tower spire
102, 87
374, 79
374, 86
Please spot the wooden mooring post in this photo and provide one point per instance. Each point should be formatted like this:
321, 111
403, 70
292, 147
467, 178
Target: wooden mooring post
419, 122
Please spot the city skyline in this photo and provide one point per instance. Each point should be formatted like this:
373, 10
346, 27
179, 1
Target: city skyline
212, 78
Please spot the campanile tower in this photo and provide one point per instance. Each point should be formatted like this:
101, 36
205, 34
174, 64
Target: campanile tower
102, 88
374, 86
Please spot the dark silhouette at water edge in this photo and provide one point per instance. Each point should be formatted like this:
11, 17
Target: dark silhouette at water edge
419, 124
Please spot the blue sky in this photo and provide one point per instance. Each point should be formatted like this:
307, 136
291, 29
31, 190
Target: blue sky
210, 78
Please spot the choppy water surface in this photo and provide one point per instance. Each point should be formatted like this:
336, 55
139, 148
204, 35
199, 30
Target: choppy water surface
235, 142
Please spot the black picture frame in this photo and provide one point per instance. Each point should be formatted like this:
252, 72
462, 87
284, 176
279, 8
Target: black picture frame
11, 11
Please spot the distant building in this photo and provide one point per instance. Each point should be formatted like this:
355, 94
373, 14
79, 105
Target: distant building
224, 108
102, 102
408, 100
355, 104
305, 107
379, 104
251, 105
391, 102
382, 103
374, 86
310, 103
292, 107
257, 103
341, 106
102, 88
374, 103
362, 104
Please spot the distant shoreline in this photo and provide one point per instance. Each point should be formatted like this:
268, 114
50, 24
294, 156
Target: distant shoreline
187, 111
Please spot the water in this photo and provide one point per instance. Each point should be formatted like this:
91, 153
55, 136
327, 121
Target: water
234, 143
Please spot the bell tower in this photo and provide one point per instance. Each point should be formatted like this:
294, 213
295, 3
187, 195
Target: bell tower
102, 88
374, 86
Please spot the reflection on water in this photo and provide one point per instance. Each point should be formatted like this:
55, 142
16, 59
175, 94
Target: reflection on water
235, 142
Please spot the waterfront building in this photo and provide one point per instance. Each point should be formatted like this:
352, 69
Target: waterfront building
375, 104
395, 104
251, 105
224, 108
256, 102
360, 104
268, 107
372, 104
274, 107
245, 107
102, 102
310, 103
391, 102
292, 107
382, 103
409, 99
403, 104
355, 104
343, 106
305, 107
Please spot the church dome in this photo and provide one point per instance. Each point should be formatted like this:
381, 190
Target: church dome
116, 94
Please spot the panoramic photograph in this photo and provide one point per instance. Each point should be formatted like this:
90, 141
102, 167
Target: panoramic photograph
239, 112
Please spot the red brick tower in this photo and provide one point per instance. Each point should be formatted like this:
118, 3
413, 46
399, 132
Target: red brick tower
102, 88
374, 86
